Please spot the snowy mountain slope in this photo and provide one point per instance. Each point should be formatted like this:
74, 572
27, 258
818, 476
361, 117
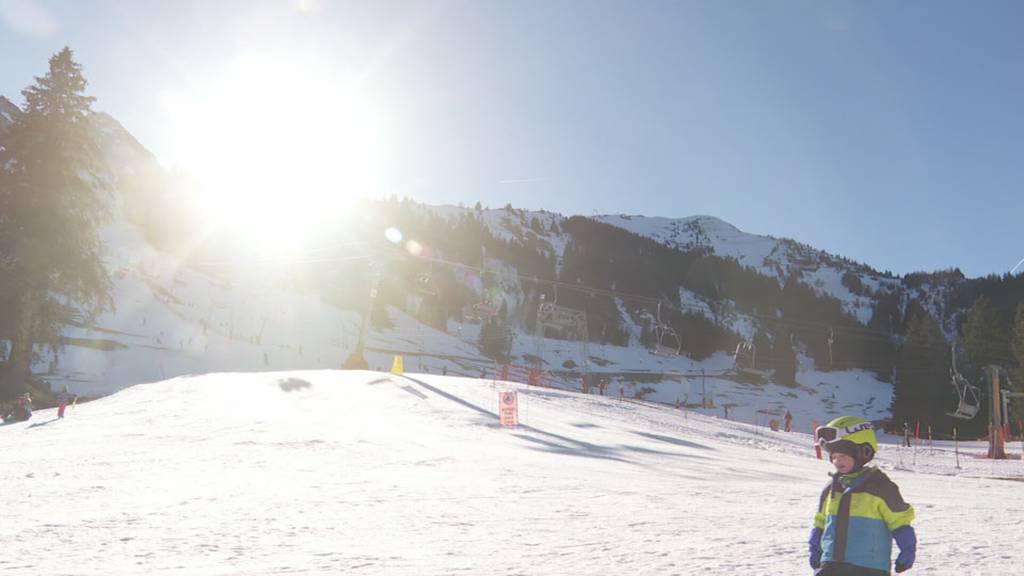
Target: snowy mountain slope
173, 320
771, 257
323, 472
703, 232
514, 224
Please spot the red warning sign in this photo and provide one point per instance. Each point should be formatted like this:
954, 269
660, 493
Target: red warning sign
508, 408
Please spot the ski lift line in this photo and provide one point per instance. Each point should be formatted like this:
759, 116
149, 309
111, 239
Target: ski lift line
625, 296
683, 308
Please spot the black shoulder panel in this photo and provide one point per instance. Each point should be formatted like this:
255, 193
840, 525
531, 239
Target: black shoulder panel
880, 485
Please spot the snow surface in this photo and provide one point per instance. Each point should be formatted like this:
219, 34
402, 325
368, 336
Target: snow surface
694, 232
331, 472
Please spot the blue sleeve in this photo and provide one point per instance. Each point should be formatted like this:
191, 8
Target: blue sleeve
906, 539
814, 548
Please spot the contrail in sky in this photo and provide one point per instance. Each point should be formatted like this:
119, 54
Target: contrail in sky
1014, 269
521, 180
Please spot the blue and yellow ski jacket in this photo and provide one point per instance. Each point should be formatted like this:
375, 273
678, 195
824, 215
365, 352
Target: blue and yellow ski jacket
858, 513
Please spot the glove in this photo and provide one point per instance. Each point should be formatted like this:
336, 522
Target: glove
814, 547
906, 539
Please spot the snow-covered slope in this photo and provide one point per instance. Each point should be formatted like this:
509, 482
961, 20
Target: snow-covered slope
327, 472
172, 320
704, 232
772, 257
526, 226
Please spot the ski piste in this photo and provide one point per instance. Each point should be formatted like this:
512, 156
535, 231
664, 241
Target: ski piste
319, 471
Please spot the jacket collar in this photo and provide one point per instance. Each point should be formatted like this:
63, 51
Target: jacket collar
856, 477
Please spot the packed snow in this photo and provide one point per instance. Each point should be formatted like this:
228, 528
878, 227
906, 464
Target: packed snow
332, 472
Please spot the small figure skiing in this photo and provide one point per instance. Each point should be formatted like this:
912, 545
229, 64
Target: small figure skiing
789, 422
860, 511
63, 398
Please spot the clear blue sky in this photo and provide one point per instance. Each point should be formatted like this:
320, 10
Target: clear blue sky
887, 132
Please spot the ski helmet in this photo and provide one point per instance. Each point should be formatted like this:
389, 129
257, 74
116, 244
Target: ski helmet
850, 435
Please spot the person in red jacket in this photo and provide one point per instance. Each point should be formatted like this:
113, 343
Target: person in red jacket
63, 398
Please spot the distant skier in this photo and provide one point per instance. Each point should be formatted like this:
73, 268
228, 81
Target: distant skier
22, 410
63, 399
860, 511
789, 422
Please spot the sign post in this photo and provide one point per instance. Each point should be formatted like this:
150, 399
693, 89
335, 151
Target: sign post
508, 408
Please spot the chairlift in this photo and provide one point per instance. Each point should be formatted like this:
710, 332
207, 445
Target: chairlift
745, 356
968, 402
745, 361
667, 341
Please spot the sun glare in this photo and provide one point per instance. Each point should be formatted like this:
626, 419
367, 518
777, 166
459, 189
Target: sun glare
279, 148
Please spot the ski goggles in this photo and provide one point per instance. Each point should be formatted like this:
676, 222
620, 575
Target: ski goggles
826, 434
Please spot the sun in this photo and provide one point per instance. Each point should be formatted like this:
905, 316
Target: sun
280, 148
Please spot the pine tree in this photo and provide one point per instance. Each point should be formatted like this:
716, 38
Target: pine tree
784, 359
986, 338
52, 205
1017, 346
921, 390
1017, 338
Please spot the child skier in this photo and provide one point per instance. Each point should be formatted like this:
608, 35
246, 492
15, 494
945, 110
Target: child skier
861, 510
63, 397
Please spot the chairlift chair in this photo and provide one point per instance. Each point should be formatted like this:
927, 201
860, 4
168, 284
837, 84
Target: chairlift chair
745, 362
668, 343
968, 403
745, 356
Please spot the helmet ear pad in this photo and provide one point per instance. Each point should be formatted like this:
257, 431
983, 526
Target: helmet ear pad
864, 453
